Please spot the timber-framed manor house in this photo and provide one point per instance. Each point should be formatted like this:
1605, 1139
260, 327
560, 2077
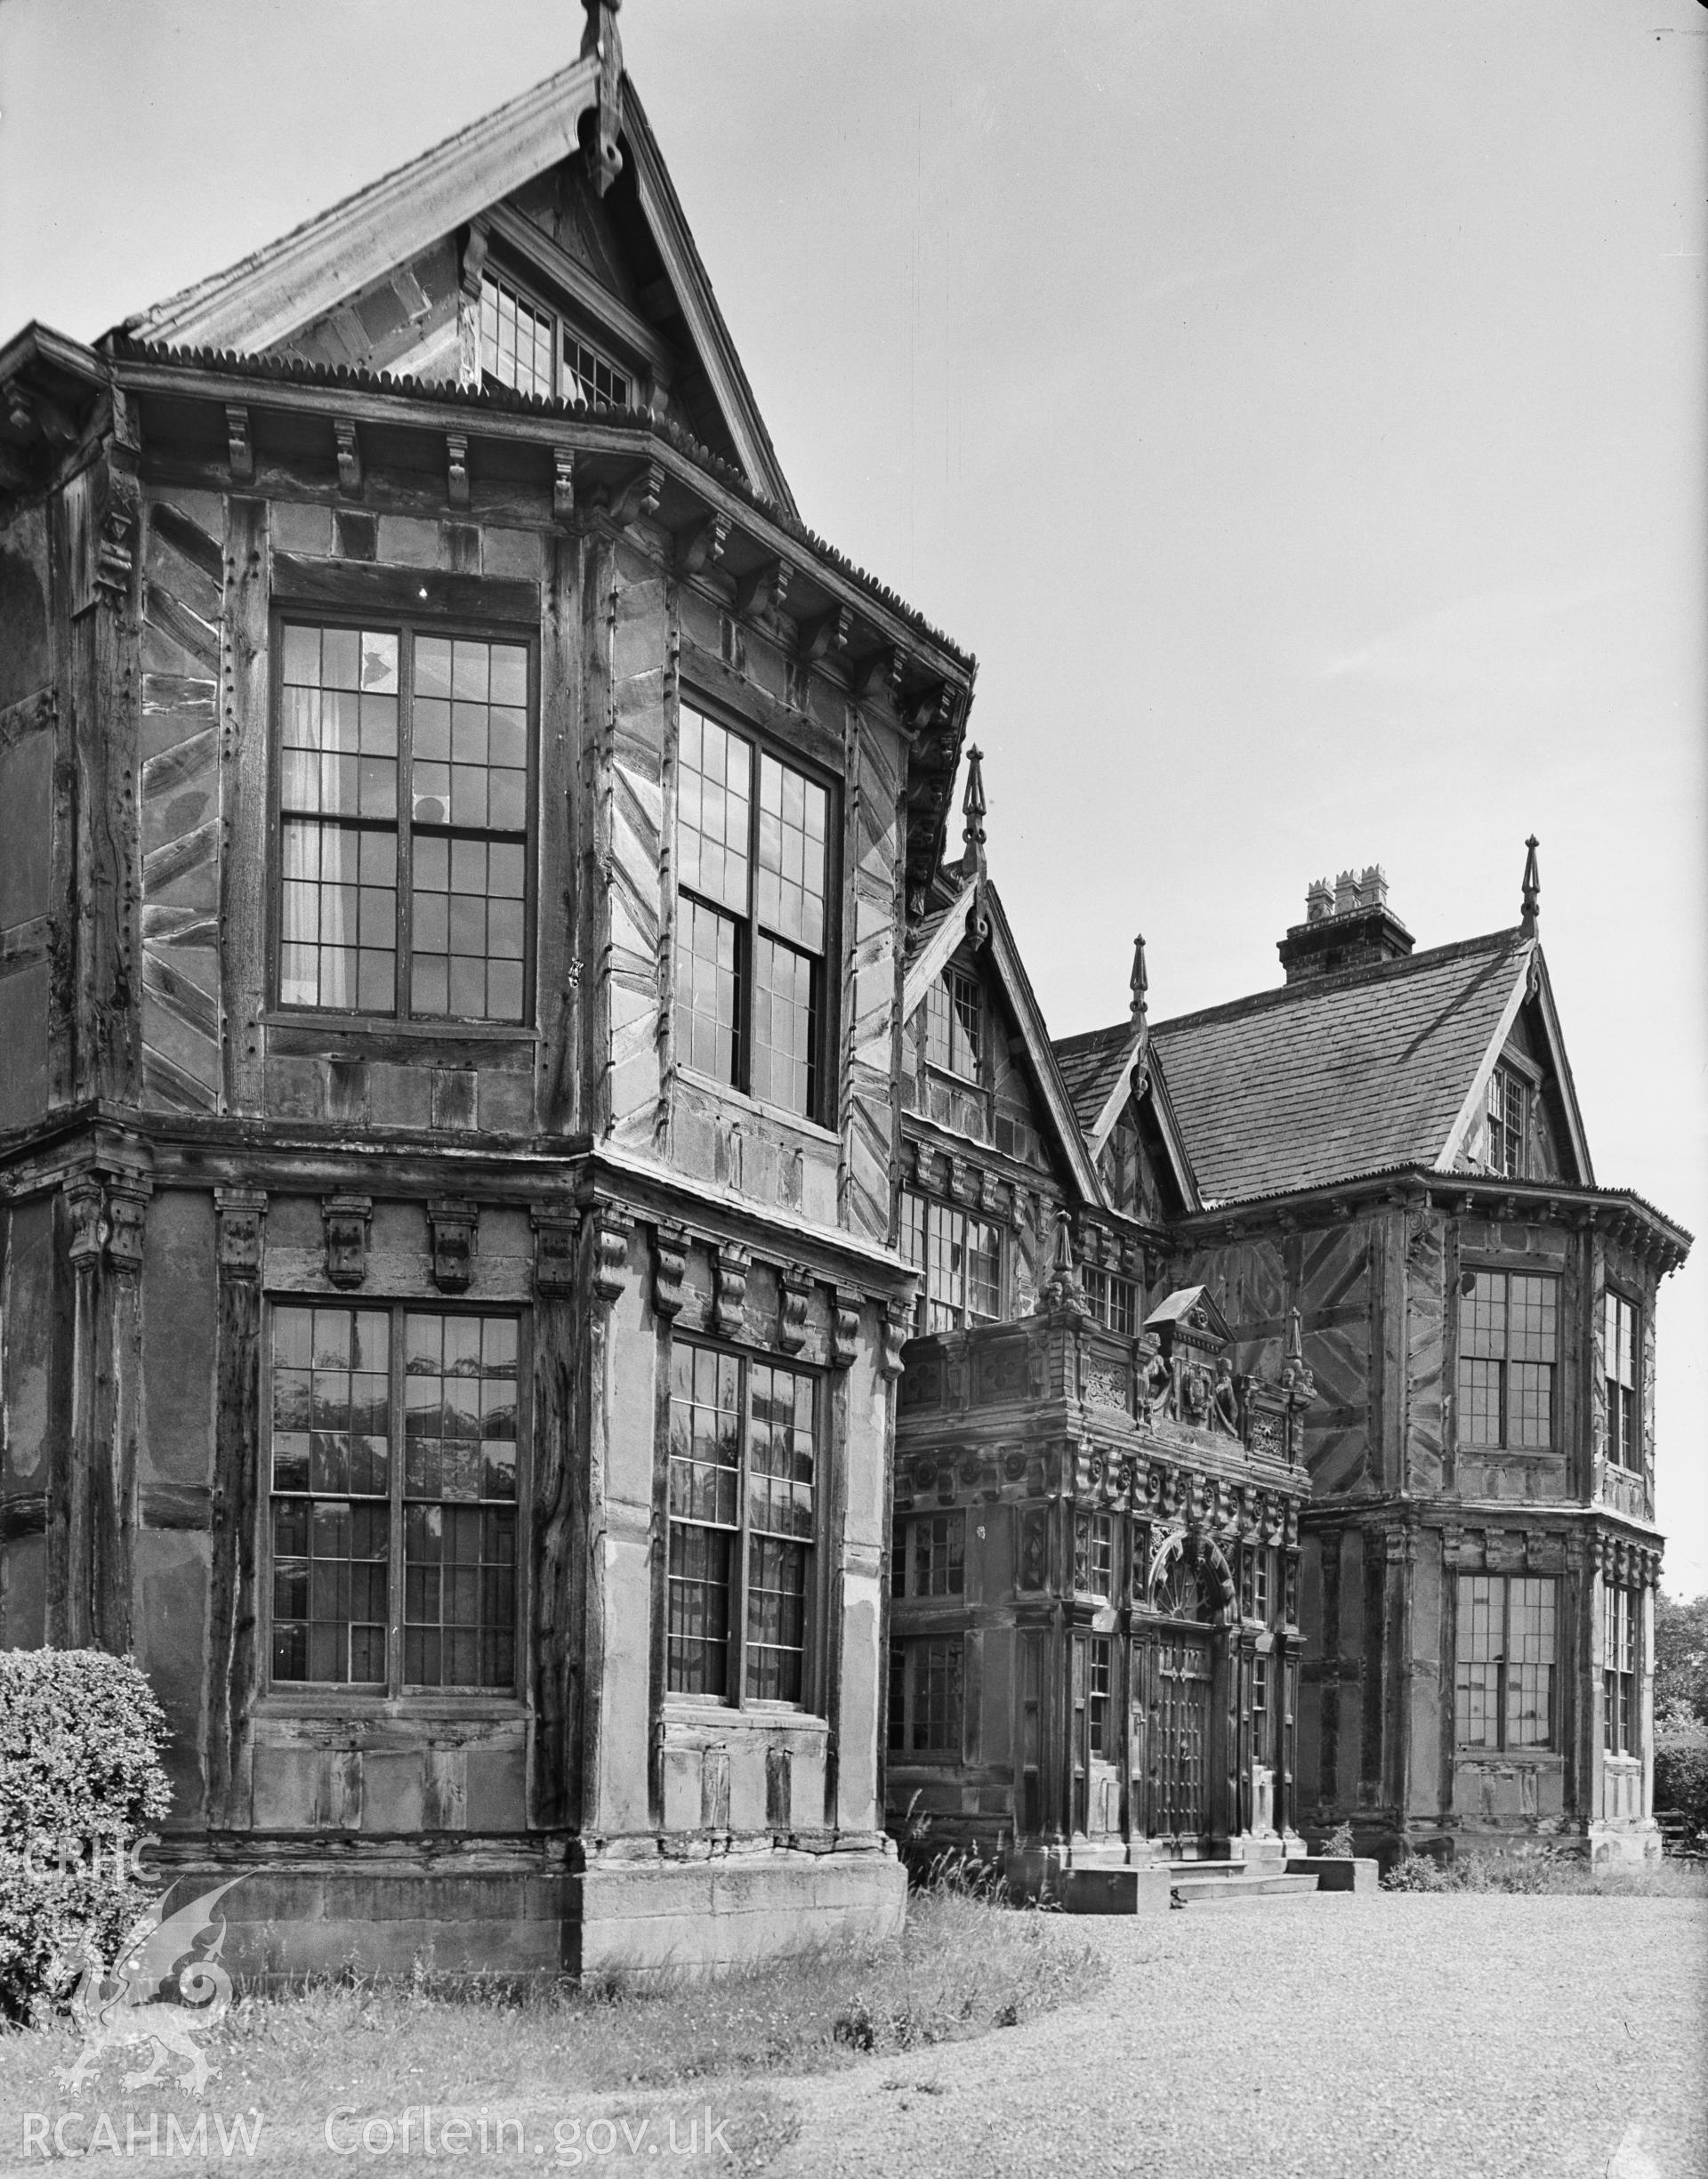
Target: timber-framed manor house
555, 1290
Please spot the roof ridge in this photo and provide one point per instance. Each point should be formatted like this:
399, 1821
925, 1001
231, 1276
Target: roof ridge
1344, 980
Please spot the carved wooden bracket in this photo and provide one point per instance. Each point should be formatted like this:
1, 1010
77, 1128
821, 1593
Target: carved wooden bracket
474, 258
897, 1330
554, 1249
669, 1263
344, 1220
701, 545
604, 159
113, 554
827, 636
763, 591
350, 455
127, 1203
730, 1264
238, 447
563, 484
456, 468
242, 1215
611, 1233
845, 1326
108, 1214
879, 672
456, 1239
794, 1287
638, 500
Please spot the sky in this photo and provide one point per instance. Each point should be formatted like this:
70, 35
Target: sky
1299, 410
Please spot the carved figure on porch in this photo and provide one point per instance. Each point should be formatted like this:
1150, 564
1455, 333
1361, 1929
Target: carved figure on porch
1156, 1381
1224, 1399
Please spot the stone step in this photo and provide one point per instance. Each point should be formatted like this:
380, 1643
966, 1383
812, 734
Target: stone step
1209, 1891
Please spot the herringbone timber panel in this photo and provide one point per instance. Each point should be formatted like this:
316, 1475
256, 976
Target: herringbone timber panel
183, 579
1425, 1327
1333, 1297
864, 1184
635, 976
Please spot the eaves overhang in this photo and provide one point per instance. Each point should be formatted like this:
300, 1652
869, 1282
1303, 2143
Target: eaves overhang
1619, 1213
931, 671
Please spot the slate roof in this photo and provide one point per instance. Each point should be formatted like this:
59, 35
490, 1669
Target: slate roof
1089, 1064
1322, 1080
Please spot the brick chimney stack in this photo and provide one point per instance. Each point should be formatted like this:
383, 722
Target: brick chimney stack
1348, 925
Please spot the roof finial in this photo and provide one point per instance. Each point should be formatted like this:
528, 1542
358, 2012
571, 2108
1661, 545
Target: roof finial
1140, 983
972, 862
600, 41
1532, 891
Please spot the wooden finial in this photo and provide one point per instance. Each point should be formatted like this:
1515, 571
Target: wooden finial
1140, 984
973, 861
1532, 891
600, 39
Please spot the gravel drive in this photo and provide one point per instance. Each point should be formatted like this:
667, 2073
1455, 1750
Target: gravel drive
1473, 2036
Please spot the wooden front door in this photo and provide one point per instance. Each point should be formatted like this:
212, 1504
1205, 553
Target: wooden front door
1180, 1736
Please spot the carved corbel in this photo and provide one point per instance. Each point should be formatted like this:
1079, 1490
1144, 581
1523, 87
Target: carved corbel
563, 483
763, 591
32, 411
879, 672
964, 1182
845, 1326
350, 455
827, 637
612, 1230
242, 1214
240, 452
897, 1328
638, 500
127, 1203
730, 1265
344, 1223
113, 555
456, 468
669, 1263
701, 545
554, 1250
794, 1292
456, 1227
475, 244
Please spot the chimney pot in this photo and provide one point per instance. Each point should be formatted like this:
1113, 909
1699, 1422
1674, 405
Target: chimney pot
1319, 900
1346, 894
1373, 887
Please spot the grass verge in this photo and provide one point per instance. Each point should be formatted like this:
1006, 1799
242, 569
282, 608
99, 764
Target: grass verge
1539, 1871
962, 1966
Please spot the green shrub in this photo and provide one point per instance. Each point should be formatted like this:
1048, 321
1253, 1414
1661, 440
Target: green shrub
1681, 1781
1338, 1846
80, 1782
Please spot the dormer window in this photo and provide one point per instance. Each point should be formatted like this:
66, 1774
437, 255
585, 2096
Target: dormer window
953, 1009
526, 345
1507, 1114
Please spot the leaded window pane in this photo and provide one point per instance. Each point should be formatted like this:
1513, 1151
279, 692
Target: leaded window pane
785, 1028
742, 1472
517, 340
1508, 1352
708, 992
713, 811
592, 378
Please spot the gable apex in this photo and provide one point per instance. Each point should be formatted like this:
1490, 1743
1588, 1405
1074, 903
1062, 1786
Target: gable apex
458, 190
